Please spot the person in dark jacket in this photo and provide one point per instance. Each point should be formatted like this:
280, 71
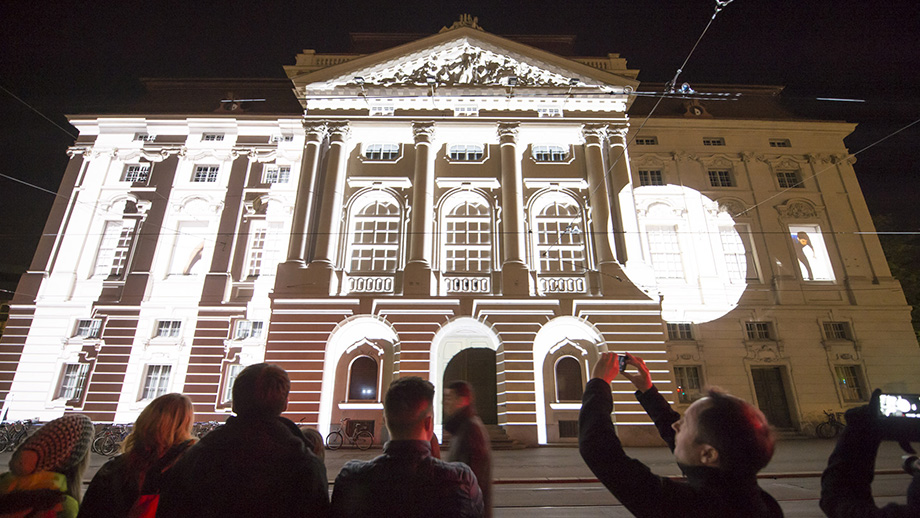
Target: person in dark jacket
161, 434
846, 484
406, 481
469, 440
720, 444
257, 464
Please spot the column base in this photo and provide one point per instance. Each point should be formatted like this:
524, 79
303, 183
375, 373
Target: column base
417, 279
517, 280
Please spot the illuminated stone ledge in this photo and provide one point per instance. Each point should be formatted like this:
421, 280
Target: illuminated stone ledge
370, 284
468, 284
562, 285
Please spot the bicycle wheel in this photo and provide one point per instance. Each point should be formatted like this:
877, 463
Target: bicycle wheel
334, 440
97, 444
364, 440
4, 441
108, 446
826, 431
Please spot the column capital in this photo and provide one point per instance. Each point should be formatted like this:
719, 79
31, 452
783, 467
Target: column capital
423, 132
507, 132
316, 130
594, 133
617, 135
338, 131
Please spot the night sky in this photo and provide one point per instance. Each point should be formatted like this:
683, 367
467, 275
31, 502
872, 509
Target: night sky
64, 57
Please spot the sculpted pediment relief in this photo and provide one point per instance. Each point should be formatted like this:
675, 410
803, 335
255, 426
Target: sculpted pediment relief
464, 61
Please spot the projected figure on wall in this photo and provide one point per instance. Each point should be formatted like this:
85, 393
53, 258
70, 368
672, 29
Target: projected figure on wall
800, 241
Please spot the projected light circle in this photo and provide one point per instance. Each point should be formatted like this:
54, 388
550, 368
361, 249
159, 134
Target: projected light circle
687, 251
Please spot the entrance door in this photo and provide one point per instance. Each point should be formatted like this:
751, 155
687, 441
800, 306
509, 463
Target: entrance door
771, 395
477, 367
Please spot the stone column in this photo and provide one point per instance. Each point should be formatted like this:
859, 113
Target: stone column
618, 179
516, 278
291, 273
417, 278
601, 225
321, 271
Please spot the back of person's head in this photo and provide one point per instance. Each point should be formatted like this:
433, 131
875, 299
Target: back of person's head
408, 402
261, 390
165, 422
61, 446
738, 431
461, 389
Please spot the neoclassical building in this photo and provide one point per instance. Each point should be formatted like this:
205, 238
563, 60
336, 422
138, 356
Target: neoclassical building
457, 206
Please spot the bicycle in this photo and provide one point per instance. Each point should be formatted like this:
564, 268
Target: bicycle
107, 440
13, 434
203, 428
359, 436
830, 428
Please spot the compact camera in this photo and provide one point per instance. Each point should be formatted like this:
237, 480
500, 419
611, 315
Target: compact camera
898, 416
622, 358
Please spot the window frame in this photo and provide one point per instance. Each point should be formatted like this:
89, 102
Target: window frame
95, 329
376, 225
549, 112
385, 152
784, 176
249, 328
650, 177
142, 174
682, 373
780, 143
680, 331
843, 387
549, 252
580, 383
156, 381
664, 242
171, 325
382, 110
205, 173
466, 110
276, 174
457, 225
231, 372
844, 333
348, 385
144, 137
212, 137
72, 393
646, 141
721, 177
713, 141
550, 154
759, 330
465, 155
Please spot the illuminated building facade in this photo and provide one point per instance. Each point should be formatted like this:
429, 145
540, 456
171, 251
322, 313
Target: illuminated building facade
463, 205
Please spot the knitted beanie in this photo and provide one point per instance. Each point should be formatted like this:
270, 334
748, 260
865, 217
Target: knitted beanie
56, 446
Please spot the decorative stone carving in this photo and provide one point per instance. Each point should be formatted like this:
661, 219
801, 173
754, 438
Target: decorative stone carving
507, 132
316, 130
767, 352
423, 131
797, 209
617, 134
466, 20
732, 206
339, 130
594, 131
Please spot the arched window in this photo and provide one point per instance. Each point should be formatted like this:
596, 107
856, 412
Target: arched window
550, 153
362, 379
375, 237
468, 237
466, 152
569, 386
560, 242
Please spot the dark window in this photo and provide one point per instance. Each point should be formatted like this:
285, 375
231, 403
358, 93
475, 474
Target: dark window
720, 178
837, 331
646, 141
788, 179
759, 330
569, 386
850, 380
780, 142
650, 177
689, 383
713, 141
362, 384
680, 331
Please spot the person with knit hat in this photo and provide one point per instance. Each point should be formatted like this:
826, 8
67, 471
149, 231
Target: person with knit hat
46, 471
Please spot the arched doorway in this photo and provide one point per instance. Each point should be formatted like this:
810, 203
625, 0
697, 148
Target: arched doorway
477, 367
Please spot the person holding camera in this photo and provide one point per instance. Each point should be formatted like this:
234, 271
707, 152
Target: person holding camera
846, 484
720, 444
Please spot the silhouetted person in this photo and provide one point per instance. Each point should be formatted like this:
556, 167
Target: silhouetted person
846, 485
406, 481
469, 440
800, 241
257, 464
720, 444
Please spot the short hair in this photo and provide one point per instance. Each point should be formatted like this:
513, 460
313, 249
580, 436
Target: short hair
408, 402
461, 388
738, 431
261, 390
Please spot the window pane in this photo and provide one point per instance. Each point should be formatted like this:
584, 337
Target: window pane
232, 372
468, 238
569, 386
73, 380
689, 383
156, 382
852, 387
362, 383
375, 237
560, 243
664, 249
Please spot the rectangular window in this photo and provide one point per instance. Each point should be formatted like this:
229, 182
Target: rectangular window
382, 110
811, 253
73, 380
189, 254
205, 173
144, 137
646, 141
88, 328
112, 256
466, 111
549, 111
664, 248
550, 153
780, 142
276, 174
713, 141
650, 177
212, 137
837, 331
135, 173
788, 179
264, 248
759, 330
689, 383
466, 152
156, 382
282, 138
248, 329
168, 328
720, 178
232, 372
680, 331
851, 383
736, 257
381, 152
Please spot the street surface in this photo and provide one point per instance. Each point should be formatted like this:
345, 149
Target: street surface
554, 481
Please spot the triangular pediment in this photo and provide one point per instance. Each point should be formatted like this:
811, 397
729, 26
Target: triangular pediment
460, 58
